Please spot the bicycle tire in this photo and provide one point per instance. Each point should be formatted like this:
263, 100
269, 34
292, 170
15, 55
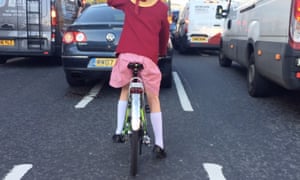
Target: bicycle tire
135, 143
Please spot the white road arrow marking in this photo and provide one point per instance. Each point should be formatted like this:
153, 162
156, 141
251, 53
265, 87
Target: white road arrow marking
214, 171
18, 172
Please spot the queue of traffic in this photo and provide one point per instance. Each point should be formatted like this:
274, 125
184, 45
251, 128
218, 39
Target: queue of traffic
242, 31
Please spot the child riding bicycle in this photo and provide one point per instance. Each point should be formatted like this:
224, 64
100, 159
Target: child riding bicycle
144, 38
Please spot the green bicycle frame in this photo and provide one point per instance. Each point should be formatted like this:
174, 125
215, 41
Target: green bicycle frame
127, 128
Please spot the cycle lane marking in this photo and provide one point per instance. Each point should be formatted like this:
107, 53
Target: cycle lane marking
18, 171
90, 96
183, 98
214, 171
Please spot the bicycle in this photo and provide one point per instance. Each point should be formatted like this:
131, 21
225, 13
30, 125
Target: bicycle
135, 125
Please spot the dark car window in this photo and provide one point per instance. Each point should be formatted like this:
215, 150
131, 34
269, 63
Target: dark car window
101, 14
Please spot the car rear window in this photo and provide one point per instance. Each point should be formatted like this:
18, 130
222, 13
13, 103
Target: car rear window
101, 14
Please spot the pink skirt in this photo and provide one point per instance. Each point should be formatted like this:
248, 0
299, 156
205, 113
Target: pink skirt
121, 75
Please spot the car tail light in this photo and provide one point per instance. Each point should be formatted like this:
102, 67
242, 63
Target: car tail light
74, 37
53, 16
53, 23
294, 36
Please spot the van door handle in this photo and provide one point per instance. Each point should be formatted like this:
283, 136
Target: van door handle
7, 26
217, 25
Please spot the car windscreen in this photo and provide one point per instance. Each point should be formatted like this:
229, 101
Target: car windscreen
100, 14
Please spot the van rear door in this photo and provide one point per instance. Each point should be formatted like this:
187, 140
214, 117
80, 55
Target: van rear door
25, 27
202, 20
11, 22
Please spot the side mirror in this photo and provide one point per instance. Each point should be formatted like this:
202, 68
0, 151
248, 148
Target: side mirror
220, 12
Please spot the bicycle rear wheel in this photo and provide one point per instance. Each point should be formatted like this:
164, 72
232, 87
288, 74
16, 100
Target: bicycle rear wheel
135, 143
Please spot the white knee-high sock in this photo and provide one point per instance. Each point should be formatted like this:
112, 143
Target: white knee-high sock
156, 121
121, 116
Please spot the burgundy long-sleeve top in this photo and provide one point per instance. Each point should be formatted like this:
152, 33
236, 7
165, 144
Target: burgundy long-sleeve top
146, 29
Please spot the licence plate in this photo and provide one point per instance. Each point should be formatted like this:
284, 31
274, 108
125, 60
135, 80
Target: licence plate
199, 39
102, 62
7, 42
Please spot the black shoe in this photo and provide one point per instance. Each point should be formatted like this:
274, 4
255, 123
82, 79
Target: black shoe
118, 138
159, 153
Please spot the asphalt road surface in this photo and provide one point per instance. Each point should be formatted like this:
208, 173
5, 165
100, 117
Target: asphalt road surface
213, 129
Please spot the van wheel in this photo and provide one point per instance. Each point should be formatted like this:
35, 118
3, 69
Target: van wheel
257, 85
182, 47
3, 59
73, 81
223, 60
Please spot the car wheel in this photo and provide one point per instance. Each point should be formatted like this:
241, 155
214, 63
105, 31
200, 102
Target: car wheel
167, 81
257, 85
223, 60
73, 81
165, 66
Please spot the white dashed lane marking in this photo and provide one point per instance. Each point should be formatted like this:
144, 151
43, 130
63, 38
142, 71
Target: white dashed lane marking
90, 96
183, 98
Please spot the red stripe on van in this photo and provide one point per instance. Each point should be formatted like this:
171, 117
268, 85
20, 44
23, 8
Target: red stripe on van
216, 39
294, 41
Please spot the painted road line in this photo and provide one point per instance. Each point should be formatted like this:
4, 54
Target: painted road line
214, 171
90, 96
18, 172
183, 98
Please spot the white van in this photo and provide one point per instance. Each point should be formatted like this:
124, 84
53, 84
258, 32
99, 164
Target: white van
198, 27
263, 36
34, 27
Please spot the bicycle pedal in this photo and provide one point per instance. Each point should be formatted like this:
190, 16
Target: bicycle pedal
146, 140
126, 137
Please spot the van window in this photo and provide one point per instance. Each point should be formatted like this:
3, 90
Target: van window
240, 4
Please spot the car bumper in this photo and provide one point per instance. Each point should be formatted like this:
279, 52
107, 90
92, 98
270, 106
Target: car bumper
81, 63
203, 45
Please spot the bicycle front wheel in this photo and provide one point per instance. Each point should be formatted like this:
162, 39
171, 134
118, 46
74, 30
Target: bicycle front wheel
135, 143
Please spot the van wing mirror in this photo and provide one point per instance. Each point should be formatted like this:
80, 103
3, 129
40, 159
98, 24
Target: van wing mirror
220, 12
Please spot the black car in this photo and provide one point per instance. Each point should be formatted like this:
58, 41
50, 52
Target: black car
89, 45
